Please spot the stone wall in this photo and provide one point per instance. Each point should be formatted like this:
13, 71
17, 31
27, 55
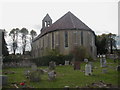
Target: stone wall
74, 39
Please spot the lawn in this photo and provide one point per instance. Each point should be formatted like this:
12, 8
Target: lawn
66, 76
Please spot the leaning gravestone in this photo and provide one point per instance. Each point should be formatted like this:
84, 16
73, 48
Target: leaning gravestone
4, 79
51, 75
51, 65
34, 67
66, 62
85, 60
88, 69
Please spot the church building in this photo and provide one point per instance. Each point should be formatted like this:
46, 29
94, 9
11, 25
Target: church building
64, 34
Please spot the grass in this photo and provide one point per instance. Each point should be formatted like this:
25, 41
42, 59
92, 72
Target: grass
66, 76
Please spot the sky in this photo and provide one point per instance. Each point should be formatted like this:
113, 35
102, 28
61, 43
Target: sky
100, 15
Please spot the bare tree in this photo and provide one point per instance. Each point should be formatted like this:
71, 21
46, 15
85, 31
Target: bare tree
14, 35
24, 33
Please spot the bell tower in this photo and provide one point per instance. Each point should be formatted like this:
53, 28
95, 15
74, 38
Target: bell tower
46, 22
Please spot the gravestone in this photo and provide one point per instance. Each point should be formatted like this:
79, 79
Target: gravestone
55, 64
51, 75
85, 60
60, 64
88, 69
66, 87
76, 65
35, 76
72, 63
4, 79
101, 62
66, 62
27, 73
51, 65
104, 62
34, 67
91, 63
118, 68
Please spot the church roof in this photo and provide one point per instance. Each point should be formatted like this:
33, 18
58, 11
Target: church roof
67, 22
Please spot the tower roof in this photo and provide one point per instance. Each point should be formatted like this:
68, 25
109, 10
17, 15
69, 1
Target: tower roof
47, 16
67, 22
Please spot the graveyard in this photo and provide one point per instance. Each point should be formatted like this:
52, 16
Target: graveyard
65, 76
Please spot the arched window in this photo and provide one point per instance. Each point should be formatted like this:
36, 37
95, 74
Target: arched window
81, 38
66, 39
52, 40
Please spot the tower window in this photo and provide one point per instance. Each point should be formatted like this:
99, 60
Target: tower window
66, 39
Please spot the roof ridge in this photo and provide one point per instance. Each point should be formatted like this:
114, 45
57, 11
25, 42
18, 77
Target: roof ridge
72, 20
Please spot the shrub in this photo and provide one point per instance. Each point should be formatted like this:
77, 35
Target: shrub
79, 53
44, 61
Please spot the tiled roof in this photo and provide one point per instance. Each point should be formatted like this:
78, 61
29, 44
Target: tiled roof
66, 22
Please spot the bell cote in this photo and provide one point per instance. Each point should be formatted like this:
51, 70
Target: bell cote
46, 22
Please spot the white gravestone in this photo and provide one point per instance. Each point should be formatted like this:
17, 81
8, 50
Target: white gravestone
104, 63
86, 60
88, 69
66, 62
101, 62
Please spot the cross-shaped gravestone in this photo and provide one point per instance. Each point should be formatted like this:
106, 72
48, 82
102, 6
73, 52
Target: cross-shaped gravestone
88, 69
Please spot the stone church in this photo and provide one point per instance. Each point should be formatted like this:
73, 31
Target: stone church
64, 34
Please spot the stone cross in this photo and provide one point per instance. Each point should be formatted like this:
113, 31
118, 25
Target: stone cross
66, 62
88, 69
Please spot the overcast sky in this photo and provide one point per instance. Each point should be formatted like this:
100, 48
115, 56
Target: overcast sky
100, 15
